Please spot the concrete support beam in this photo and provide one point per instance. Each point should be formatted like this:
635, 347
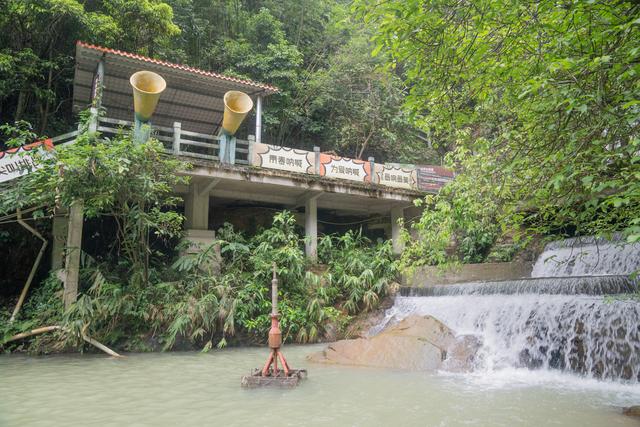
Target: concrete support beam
311, 228
74, 245
397, 214
252, 196
196, 206
206, 188
305, 197
59, 231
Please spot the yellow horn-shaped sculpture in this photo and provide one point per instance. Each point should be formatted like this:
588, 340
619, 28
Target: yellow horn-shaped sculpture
236, 107
147, 87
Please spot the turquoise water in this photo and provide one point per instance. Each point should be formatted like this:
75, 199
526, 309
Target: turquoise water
194, 389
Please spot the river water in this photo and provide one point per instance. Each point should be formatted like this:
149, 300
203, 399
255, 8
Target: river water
195, 389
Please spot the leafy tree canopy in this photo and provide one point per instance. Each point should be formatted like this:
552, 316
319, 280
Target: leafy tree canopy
333, 94
544, 96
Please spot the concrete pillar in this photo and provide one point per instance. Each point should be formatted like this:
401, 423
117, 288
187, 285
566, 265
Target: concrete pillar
397, 213
59, 231
259, 119
74, 245
196, 207
197, 231
311, 228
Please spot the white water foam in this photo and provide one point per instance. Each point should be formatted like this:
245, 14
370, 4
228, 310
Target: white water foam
579, 333
587, 256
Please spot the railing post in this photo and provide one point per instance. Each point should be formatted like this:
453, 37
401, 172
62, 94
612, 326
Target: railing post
252, 141
231, 145
316, 163
374, 176
259, 118
222, 147
177, 130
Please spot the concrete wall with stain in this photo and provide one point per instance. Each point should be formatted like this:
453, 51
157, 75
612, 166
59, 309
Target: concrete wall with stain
494, 271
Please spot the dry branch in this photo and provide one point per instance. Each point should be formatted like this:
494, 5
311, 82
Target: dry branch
32, 332
44, 329
34, 268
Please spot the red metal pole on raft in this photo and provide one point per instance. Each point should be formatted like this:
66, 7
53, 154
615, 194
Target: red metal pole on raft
275, 335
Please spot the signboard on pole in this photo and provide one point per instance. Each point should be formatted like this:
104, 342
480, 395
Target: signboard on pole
17, 162
431, 178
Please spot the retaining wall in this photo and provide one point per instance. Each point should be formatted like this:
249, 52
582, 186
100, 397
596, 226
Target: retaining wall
429, 276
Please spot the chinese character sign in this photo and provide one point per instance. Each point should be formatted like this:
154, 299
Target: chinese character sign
345, 168
396, 176
20, 161
407, 176
283, 158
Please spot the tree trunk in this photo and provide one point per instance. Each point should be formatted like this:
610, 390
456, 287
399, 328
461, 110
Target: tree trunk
21, 105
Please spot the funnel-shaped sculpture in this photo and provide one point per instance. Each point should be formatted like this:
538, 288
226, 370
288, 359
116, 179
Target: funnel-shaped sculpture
236, 107
147, 87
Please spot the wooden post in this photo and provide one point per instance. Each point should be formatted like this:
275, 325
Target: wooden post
177, 131
34, 268
59, 231
74, 245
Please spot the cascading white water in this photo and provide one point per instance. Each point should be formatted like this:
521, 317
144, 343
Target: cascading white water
587, 256
566, 323
586, 285
581, 333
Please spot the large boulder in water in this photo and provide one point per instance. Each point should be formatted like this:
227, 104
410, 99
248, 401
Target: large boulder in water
416, 343
632, 411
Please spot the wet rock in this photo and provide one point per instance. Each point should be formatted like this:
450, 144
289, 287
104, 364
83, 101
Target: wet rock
462, 354
415, 343
330, 332
632, 411
364, 322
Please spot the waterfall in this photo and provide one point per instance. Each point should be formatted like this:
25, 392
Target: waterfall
586, 285
587, 256
581, 324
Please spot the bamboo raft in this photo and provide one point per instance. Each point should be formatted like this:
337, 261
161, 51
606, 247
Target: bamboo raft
255, 379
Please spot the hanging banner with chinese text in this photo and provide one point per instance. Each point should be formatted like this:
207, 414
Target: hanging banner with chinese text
396, 176
17, 162
282, 158
344, 168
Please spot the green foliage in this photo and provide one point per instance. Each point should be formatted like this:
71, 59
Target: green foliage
207, 297
333, 93
131, 183
546, 95
362, 276
461, 223
37, 40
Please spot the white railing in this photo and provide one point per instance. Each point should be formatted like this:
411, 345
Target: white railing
65, 138
184, 143
181, 142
